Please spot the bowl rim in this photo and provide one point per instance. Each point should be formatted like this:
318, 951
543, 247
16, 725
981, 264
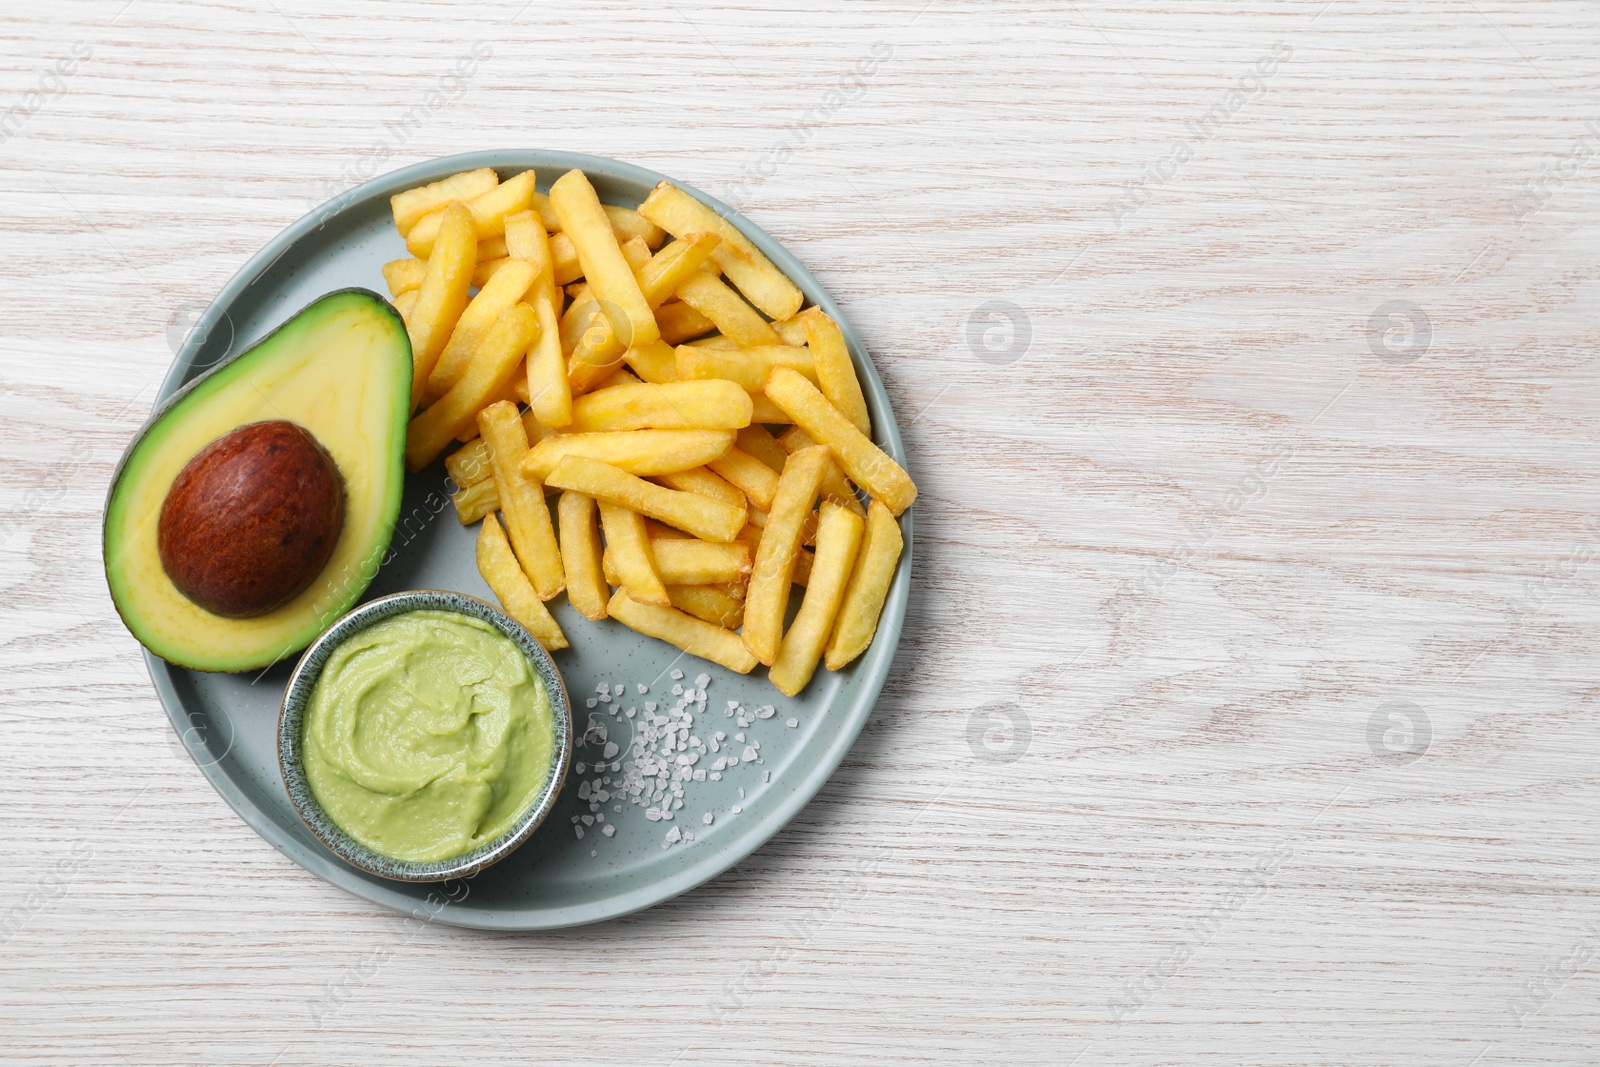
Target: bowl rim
296, 697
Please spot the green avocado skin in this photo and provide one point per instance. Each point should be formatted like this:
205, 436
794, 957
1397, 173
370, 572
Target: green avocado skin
341, 368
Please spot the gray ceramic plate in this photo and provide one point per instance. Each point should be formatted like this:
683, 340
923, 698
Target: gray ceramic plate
228, 722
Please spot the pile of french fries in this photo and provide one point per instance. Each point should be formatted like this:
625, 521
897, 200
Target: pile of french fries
642, 379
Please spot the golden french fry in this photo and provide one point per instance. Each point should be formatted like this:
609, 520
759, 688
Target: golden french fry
679, 322
489, 210
713, 603
475, 501
701, 516
499, 568
522, 499
483, 272
714, 340
654, 363
736, 319
808, 533
758, 441
685, 561
779, 544
629, 561
563, 258
674, 265
836, 374
765, 285
708, 405
547, 215
610, 278
469, 464
838, 542
695, 636
802, 567
499, 293
619, 375
753, 478
703, 481
866, 464
658, 530
489, 373
405, 302
580, 554
834, 485
793, 331
404, 275
748, 367
442, 296
765, 411
868, 588
636, 252
629, 225
494, 248
410, 206
641, 452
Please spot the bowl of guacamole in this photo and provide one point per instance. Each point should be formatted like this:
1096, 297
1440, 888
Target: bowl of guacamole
424, 736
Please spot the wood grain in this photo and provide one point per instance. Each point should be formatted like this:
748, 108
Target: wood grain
1191, 539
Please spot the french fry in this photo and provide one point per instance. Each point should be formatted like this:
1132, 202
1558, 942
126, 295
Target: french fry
838, 542
714, 340
442, 295
410, 206
404, 275
674, 265
753, 477
404, 303
793, 331
759, 442
658, 530
779, 544
654, 363
703, 481
808, 532
735, 318
629, 225
868, 588
636, 252
682, 561
469, 464
765, 411
548, 392
535, 430
802, 567
547, 215
564, 258
490, 372
748, 367
516, 594
695, 636
713, 603
641, 452
679, 322
499, 293
494, 248
521, 499
709, 519
486, 270
678, 405
580, 554
834, 485
475, 501
629, 560
836, 374
610, 278
763, 284
489, 210
864, 462
619, 375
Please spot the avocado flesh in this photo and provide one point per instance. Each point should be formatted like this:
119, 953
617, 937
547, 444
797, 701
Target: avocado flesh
341, 368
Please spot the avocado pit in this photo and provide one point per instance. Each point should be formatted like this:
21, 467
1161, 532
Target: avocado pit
252, 519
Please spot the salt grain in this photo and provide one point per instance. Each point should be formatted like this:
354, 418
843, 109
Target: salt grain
791, 723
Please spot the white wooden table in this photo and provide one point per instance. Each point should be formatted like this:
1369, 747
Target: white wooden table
1247, 710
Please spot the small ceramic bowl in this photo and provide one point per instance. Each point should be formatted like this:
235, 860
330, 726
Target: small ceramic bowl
291, 733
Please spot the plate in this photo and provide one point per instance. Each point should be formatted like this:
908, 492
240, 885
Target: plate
558, 879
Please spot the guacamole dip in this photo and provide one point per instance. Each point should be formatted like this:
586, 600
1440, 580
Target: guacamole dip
427, 735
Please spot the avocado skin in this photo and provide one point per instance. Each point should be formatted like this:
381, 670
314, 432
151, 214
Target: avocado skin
341, 369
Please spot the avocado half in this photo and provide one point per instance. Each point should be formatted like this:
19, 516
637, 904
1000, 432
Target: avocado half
341, 369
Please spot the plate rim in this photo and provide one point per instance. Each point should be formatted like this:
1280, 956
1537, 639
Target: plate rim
875, 662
